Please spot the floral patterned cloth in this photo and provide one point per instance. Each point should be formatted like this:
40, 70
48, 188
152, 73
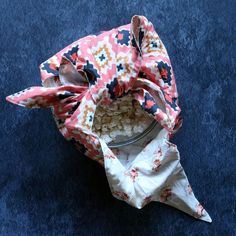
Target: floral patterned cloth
128, 59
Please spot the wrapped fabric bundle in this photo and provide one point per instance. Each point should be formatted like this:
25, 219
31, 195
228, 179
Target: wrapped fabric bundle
99, 69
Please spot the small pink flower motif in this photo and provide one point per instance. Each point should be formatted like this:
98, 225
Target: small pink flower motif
165, 194
147, 200
134, 173
109, 156
199, 210
121, 195
156, 165
158, 152
189, 189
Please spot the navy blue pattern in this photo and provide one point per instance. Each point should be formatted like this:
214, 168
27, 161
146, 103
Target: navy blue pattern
71, 55
65, 95
120, 67
173, 104
91, 72
165, 72
123, 37
142, 75
149, 104
111, 88
74, 108
140, 37
50, 68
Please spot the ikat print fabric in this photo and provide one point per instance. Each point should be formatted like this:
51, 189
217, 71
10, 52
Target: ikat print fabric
130, 59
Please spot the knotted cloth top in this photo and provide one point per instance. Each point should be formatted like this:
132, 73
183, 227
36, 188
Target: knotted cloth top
100, 68
127, 59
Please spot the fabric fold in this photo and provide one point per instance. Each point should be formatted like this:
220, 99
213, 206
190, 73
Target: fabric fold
154, 175
130, 59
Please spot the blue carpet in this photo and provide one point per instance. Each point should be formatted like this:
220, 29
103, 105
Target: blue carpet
48, 188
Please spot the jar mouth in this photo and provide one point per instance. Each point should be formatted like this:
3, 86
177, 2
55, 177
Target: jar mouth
134, 138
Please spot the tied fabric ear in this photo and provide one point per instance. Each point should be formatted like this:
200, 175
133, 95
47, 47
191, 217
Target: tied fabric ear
40, 97
129, 59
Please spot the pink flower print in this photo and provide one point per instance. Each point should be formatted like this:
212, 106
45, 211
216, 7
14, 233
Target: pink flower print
156, 165
158, 152
147, 200
165, 194
121, 195
109, 156
189, 189
199, 210
134, 173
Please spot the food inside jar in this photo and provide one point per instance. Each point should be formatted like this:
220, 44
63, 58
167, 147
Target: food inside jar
123, 119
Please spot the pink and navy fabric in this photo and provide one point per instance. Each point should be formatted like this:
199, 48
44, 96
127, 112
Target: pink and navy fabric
130, 59
117, 62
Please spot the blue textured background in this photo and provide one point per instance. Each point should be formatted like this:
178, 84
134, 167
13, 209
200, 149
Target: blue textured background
47, 188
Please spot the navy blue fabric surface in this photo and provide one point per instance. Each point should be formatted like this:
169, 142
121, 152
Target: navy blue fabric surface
48, 188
